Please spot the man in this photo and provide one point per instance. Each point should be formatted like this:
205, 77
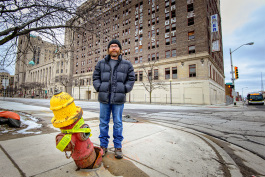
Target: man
113, 78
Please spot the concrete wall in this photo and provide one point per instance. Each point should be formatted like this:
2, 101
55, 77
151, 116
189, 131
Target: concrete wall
186, 92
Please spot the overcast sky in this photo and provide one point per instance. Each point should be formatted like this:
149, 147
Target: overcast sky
243, 21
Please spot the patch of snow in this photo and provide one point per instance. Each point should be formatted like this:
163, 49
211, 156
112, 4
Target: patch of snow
31, 123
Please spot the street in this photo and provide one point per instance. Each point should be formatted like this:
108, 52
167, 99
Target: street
241, 125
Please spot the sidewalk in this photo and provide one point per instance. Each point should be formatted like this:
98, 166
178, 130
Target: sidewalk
149, 150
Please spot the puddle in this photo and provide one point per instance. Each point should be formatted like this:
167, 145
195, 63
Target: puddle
127, 118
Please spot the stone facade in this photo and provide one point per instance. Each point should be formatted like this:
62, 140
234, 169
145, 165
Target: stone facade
41, 67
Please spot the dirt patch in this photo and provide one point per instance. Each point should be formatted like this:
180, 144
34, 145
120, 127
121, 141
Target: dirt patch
121, 167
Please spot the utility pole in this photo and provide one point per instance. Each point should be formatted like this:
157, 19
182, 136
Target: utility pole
262, 89
232, 71
233, 79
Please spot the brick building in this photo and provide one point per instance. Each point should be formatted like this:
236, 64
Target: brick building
174, 45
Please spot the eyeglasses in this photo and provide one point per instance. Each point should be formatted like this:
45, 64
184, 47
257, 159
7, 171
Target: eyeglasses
114, 46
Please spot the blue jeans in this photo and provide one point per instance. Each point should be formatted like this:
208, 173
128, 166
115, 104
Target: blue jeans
104, 116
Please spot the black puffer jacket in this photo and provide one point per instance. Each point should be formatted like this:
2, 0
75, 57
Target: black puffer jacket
122, 80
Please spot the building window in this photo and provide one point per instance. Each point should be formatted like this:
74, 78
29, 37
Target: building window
136, 76
167, 73
153, 56
149, 57
173, 27
153, 21
167, 29
191, 49
174, 53
192, 70
136, 60
157, 31
140, 59
167, 4
149, 75
157, 43
136, 49
173, 14
168, 54
190, 21
153, 33
167, 16
140, 75
173, 40
153, 45
190, 7
136, 38
156, 74
157, 19
191, 35
157, 56
174, 73
167, 41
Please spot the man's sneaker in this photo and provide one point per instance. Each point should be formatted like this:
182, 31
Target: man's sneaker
118, 153
105, 150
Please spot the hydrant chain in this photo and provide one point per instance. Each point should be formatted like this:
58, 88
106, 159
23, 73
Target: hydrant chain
66, 155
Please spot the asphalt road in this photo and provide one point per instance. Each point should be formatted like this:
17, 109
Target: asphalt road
243, 126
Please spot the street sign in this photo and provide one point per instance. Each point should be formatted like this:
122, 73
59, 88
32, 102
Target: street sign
229, 83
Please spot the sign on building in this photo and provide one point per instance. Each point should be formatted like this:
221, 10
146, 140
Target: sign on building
215, 46
214, 23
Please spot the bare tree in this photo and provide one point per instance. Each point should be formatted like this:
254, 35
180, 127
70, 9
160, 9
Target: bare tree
64, 80
153, 82
45, 18
37, 86
26, 86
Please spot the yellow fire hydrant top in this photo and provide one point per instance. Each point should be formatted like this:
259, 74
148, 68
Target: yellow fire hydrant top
64, 109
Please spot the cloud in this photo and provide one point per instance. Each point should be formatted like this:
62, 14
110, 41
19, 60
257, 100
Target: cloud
243, 25
236, 13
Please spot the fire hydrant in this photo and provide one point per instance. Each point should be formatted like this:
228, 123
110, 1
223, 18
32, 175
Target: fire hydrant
74, 136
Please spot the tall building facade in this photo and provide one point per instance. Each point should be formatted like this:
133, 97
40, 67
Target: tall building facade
174, 46
41, 67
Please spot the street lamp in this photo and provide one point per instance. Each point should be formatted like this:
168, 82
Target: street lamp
170, 80
242, 93
232, 70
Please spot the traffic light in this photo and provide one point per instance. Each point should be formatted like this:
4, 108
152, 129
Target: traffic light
236, 72
230, 86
